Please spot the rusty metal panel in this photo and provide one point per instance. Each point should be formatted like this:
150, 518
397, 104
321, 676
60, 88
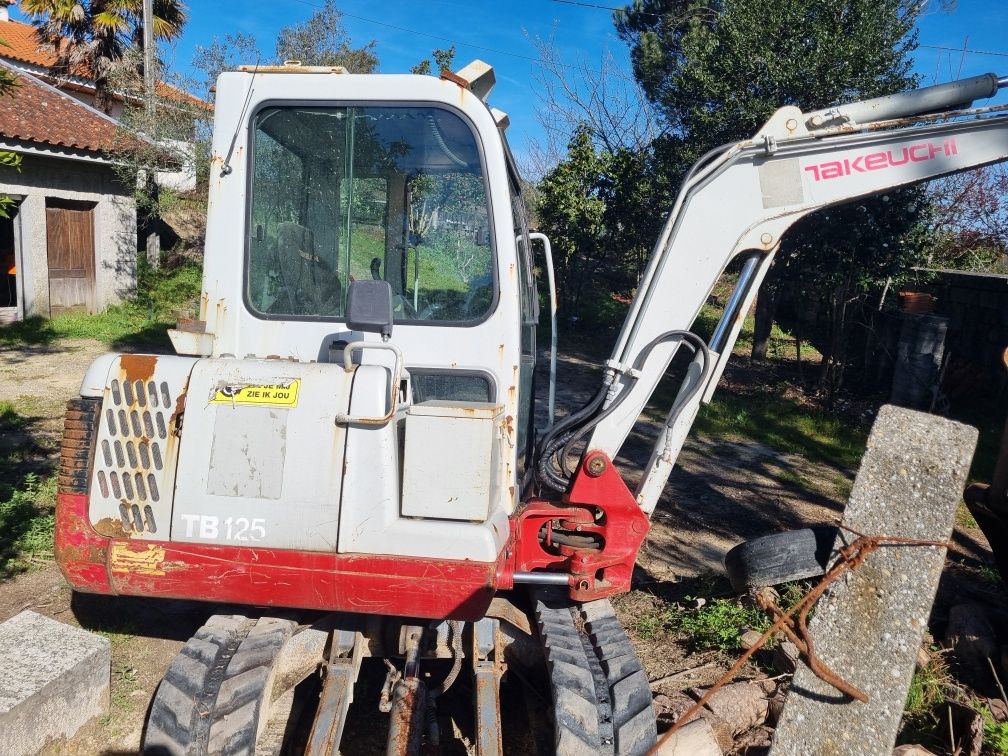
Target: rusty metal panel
133, 478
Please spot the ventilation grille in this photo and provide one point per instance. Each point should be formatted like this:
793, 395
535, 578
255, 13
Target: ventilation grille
131, 455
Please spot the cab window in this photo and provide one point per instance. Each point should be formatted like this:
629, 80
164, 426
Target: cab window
340, 194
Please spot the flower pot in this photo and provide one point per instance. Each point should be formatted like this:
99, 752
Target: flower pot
916, 302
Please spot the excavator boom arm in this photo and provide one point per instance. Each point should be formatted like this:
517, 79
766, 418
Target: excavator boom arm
740, 200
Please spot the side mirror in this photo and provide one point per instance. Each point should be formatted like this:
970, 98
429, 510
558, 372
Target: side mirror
369, 307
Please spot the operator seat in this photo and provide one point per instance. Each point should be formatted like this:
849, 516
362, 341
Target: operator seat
317, 288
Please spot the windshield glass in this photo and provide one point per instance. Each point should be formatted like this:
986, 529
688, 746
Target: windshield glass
347, 193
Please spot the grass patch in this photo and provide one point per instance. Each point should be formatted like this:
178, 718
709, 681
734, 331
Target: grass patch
924, 712
786, 425
719, 623
963, 517
995, 734
141, 322
928, 687
716, 624
26, 524
27, 494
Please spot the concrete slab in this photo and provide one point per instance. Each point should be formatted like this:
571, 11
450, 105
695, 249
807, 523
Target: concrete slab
54, 678
869, 625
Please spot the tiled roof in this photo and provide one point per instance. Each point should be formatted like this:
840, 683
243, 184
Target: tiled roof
23, 46
40, 113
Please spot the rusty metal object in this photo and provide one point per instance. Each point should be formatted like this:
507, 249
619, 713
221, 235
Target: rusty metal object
454, 78
188, 325
409, 701
488, 668
77, 447
337, 694
849, 558
501, 608
137, 367
596, 466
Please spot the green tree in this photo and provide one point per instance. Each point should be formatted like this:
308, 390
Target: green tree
91, 37
443, 60
224, 54
322, 40
717, 70
571, 210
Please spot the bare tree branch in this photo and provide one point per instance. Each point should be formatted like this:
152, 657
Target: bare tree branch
605, 100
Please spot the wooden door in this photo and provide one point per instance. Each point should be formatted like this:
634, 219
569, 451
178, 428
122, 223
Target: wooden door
71, 252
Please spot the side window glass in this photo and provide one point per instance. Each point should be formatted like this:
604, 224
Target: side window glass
524, 249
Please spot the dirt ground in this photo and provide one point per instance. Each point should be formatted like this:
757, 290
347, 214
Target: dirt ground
722, 493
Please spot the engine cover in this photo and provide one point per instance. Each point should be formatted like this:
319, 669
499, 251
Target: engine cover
261, 456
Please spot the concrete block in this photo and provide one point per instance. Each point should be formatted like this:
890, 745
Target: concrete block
869, 625
54, 678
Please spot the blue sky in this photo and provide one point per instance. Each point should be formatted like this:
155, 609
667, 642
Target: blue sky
505, 28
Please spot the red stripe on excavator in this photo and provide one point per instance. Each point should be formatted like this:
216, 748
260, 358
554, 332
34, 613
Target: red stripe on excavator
406, 587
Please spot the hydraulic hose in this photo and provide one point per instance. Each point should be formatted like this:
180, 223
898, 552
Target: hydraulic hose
694, 342
560, 441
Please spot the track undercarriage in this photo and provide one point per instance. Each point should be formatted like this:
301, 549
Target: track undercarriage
274, 685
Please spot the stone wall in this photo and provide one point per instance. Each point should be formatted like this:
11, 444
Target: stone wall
977, 307
114, 218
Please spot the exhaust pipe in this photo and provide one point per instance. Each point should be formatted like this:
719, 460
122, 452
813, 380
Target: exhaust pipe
936, 99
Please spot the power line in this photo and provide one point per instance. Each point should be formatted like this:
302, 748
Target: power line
606, 7
593, 5
438, 37
966, 50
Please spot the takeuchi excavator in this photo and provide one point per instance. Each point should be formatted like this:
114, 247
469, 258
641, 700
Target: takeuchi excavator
345, 440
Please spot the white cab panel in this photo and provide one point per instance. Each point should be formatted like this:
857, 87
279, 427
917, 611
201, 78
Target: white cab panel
261, 455
452, 464
133, 478
370, 517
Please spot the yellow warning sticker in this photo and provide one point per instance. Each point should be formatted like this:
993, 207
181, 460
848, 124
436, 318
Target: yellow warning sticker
283, 394
147, 562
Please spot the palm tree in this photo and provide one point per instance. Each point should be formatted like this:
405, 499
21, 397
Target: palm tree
91, 37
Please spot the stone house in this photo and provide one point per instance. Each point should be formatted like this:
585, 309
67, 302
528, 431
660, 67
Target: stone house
21, 51
71, 241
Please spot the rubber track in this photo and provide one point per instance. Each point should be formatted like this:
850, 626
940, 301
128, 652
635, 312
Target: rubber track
601, 697
211, 698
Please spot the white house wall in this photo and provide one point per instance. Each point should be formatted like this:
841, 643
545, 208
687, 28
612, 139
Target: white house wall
114, 221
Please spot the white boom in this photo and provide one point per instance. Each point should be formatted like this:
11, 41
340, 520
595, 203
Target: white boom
740, 200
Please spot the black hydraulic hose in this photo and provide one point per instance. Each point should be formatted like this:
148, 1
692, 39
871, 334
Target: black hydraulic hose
557, 436
690, 339
574, 418
553, 473
558, 481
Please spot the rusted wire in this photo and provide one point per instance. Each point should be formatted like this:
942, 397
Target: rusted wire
849, 558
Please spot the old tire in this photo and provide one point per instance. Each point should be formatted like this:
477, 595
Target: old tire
601, 697
215, 695
780, 558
